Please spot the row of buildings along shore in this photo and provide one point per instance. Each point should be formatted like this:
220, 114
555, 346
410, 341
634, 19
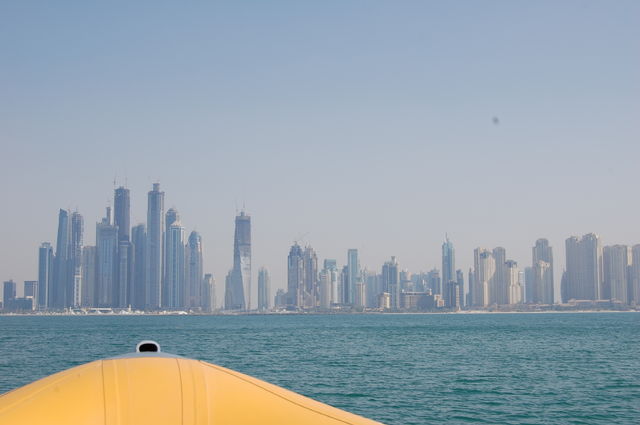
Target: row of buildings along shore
156, 267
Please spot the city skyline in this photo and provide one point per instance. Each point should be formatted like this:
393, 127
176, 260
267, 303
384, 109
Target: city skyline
334, 120
107, 275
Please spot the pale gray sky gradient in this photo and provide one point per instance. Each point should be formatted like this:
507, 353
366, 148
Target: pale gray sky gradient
365, 124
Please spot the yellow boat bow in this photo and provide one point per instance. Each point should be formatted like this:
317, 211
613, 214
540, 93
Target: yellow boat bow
153, 388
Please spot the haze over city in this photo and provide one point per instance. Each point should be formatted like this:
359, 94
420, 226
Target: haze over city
357, 125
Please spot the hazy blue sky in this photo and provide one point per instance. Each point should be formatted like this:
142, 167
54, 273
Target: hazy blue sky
362, 124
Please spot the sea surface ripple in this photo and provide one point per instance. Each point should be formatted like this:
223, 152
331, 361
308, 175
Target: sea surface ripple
581, 368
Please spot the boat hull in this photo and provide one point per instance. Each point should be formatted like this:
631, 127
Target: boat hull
161, 390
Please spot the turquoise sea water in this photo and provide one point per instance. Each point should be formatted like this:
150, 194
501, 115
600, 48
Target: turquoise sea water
398, 369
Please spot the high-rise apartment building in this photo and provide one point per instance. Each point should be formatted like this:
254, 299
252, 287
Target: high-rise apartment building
137, 288
89, 276
434, 281
195, 274
541, 278
295, 277
106, 262
353, 274
124, 275
174, 283
634, 276
45, 274
122, 213
498, 292
209, 294
310, 287
484, 277
448, 269
264, 289
324, 287
154, 248
391, 282
228, 292
583, 280
616, 261
125, 255
31, 292
512, 283
541, 290
58, 291
331, 266
8, 293
172, 216
460, 280
73, 294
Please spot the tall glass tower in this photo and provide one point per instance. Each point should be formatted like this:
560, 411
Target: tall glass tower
58, 291
264, 289
74, 281
194, 282
45, 274
122, 213
353, 276
175, 276
154, 248
448, 269
240, 296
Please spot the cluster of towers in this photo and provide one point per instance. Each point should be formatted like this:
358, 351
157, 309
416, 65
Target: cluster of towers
593, 274
145, 267
156, 267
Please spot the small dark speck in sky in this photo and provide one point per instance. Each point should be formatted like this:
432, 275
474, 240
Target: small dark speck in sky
496, 121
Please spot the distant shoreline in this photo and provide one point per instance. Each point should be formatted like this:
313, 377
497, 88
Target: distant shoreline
340, 313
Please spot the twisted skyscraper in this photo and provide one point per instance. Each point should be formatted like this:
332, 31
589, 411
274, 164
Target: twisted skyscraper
239, 296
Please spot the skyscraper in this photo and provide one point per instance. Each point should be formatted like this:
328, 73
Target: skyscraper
264, 290
31, 291
228, 292
295, 277
8, 293
460, 280
172, 216
512, 282
391, 282
615, 261
448, 268
138, 282
434, 282
541, 276
174, 284
154, 248
45, 274
195, 274
324, 287
122, 213
58, 291
353, 270
484, 275
106, 261
310, 286
124, 274
498, 291
209, 293
89, 276
125, 255
73, 295
332, 267
634, 276
471, 284
542, 286
583, 279
241, 274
